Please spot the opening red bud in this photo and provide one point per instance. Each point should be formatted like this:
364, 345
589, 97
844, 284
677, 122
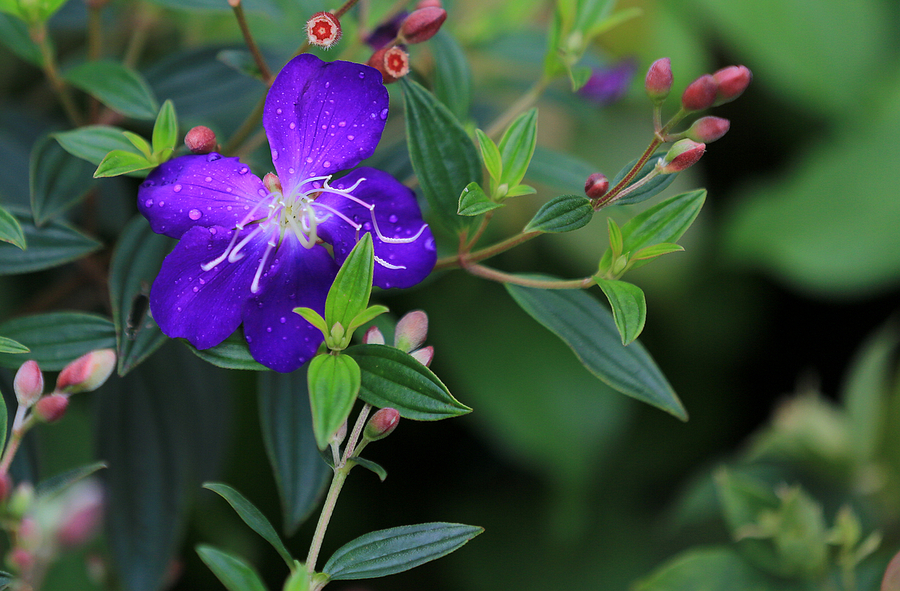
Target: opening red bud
732, 82
200, 140
51, 408
28, 383
373, 336
708, 129
596, 185
659, 80
382, 424
683, 154
700, 94
411, 331
86, 373
392, 62
422, 24
323, 29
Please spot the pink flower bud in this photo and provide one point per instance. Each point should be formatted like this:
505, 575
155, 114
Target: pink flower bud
596, 185
323, 29
82, 514
28, 383
200, 140
373, 336
659, 80
424, 355
20, 559
51, 408
272, 183
422, 24
700, 94
382, 424
411, 331
429, 3
708, 129
683, 154
392, 62
87, 373
732, 82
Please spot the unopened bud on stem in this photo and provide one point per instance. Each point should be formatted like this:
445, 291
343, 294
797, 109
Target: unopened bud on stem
392, 62
700, 94
731, 83
381, 424
87, 373
51, 408
411, 331
708, 129
659, 80
323, 29
422, 24
596, 185
28, 383
200, 140
683, 154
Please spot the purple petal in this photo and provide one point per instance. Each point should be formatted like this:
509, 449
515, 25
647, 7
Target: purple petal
279, 338
386, 31
607, 85
323, 117
397, 214
198, 190
203, 307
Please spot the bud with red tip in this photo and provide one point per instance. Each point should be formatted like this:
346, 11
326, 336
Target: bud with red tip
732, 82
682, 155
373, 336
200, 140
411, 331
382, 424
708, 129
596, 185
323, 29
86, 373
82, 514
28, 383
422, 24
700, 94
423, 355
659, 80
51, 408
392, 62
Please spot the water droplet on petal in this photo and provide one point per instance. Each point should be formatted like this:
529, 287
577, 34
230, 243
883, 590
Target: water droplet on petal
293, 125
243, 170
351, 137
327, 84
148, 202
249, 339
194, 214
282, 319
161, 203
212, 230
393, 219
291, 170
196, 289
208, 179
342, 124
278, 111
177, 188
274, 154
268, 329
384, 114
361, 75
212, 157
309, 160
326, 164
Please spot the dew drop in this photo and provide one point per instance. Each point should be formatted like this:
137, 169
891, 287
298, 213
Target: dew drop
293, 125
177, 188
326, 164
249, 339
212, 157
146, 184
268, 329
282, 319
351, 137
161, 203
212, 230
274, 154
194, 214
342, 124
362, 75
196, 289
384, 114
327, 84
262, 192
309, 160
291, 170
393, 219
324, 126
148, 202
208, 179
278, 111
243, 170
228, 189
429, 244
373, 115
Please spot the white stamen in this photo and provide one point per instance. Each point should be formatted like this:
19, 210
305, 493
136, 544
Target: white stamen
386, 264
254, 287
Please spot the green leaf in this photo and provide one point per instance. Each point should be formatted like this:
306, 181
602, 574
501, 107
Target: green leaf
232, 353
4, 423
707, 569
559, 170
135, 264
349, 294
442, 155
562, 214
517, 147
6, 579
165, 130
94, 142
11, 346
253, 517
519, 190
743, 499
473, 201
53, 245
11, 230
657, 250
142, 145
393, 378
57, 484
241, 61
313, 318
232, 571
333, 386
452, 76
616, 242
366, 315
14, 8
57, 179
589, 329
490, 155
56, 338
117, 86
14, 35
286, 421
390, 551
629, 307
119, 162
372, 466
652, 187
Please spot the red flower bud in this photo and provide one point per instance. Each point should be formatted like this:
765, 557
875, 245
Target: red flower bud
732, 82
83, 514
200, 140
373, 336
382, 424
708, 129
28, 383
700, 94
20, 559
423, 355
411, 331
5, 486
596, 185
683, 154
51, 408
87, 373
422, 24
392, 62
659, 80
323, 29
429, 3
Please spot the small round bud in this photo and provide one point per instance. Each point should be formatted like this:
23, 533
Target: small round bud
708, 129
392, 62
381, 424
87, 373
411, 331
700, 94
28, 383
682, 155
422, 24
659, 80
373, 336
20, 560
423, 355
732, 82
51, 408
596, 185
200, 140
323, 29
82, 515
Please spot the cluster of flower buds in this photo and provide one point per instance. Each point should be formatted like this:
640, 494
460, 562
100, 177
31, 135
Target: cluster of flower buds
709, 90
391, 38
409, 335
200, 140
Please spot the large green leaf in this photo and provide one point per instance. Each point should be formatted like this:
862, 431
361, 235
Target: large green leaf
393, 378
390, 551
629, 307
56, 338
94, 142
235, 573
443, 156
115, 85
286, 422
452, 76
134, 266
517, 147
14, 35
589, 329
707, 569
58, 180
55, 244
333, 382
562, 214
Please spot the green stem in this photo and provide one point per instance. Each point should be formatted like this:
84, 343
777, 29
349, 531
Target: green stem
251, 44
246, 128
501, 277
525, 101
463, 258
21, 425
39, 35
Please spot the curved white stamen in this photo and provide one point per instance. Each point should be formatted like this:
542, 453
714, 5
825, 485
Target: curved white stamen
387, 265
236, 254
338, 214
223, 256
384, 238
254, 287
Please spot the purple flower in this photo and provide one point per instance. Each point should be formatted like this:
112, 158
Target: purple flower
251, 250
607, 85
386, 31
